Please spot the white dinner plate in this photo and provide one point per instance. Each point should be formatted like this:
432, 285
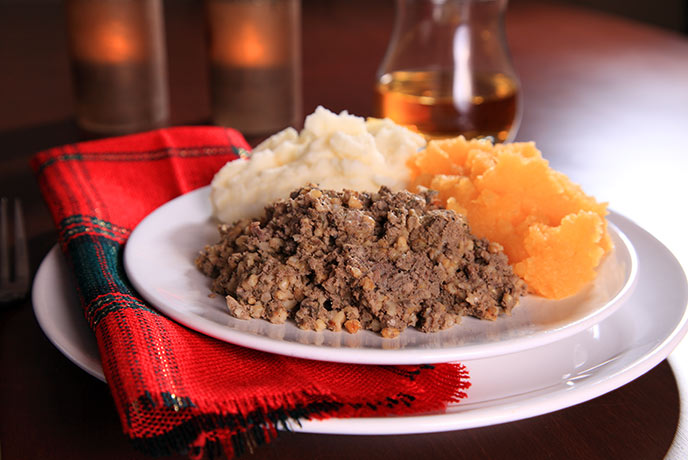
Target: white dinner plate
637, 337
159, 261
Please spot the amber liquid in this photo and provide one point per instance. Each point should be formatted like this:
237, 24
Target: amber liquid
427, 100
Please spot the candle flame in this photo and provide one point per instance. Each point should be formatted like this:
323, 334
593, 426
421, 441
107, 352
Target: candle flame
107, 32
114, 43
248, 34
251, 48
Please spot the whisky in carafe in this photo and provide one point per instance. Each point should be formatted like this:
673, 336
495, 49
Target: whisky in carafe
446, 104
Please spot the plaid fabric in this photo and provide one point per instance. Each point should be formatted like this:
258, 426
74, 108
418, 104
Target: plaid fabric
178, 391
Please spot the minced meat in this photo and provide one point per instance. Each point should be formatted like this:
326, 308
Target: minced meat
381, 261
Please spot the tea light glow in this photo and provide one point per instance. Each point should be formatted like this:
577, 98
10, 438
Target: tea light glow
100, 33
246, 35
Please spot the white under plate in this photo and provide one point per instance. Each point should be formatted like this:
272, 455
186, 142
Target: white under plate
159, 261
648, 326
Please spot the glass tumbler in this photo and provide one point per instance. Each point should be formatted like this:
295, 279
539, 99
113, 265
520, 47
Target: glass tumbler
118, 58
255, 63
447, 70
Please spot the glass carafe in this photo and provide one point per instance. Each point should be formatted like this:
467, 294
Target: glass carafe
447, 70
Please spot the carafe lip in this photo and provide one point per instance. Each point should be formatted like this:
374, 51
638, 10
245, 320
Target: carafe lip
408, 19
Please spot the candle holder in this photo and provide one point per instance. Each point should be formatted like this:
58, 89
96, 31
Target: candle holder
255, 63
118, 61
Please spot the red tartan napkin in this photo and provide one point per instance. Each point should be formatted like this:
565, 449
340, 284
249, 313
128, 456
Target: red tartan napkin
178, 391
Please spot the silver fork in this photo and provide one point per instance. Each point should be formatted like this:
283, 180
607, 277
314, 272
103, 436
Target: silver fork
13, 287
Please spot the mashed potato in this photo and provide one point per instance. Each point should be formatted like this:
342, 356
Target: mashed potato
333, 151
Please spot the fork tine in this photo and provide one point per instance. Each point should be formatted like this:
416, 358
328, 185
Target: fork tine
4, 253
21, 252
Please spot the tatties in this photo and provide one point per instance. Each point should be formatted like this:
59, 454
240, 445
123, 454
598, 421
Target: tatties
335, 151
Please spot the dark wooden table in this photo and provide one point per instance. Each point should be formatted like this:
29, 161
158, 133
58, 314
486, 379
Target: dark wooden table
606, 100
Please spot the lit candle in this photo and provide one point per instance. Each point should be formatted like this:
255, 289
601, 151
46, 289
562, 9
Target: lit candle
118, 64
255, 63
106, 31
249, 33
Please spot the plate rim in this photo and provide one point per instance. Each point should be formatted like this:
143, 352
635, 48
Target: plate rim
515, 410
362, 355
436, 422
68, 349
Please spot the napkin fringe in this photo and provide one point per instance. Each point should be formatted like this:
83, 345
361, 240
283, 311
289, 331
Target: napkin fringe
205, 435
212, 435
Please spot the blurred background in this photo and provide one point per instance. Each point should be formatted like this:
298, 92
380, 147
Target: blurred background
669, 14
41, 32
